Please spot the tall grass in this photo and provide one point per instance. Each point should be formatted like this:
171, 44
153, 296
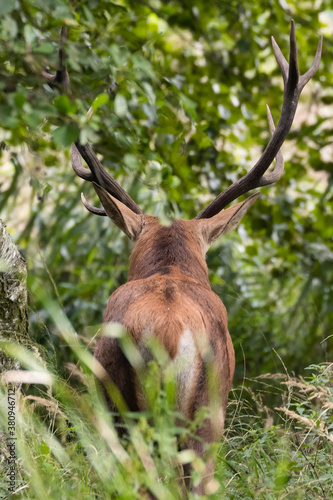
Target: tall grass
67, 445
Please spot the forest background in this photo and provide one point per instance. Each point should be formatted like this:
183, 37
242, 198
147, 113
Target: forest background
176, 93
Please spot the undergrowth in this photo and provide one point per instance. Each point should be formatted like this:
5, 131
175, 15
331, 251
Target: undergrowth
277, 444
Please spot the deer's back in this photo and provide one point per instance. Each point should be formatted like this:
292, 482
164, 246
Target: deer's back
188, 319
167, 307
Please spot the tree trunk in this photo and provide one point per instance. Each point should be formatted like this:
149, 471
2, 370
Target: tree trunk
13, 297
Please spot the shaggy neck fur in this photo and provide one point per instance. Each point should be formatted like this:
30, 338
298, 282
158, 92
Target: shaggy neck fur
175, 249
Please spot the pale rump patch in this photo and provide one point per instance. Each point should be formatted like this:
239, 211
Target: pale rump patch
185, 367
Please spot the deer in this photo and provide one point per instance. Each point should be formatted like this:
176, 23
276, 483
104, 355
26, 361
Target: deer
168, 294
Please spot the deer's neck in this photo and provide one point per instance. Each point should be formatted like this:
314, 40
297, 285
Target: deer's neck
169, 251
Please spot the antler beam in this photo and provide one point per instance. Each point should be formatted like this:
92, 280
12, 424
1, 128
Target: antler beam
293, 86
96, 172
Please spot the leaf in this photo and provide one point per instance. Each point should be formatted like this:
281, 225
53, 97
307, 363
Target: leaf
223, 112
120, 105
44, 48
188, 104
65, 135
9, 26
149, 91
6, 6
89, 15
100, 100
20, 100
63, 104
131, 161
33, 119
29, 33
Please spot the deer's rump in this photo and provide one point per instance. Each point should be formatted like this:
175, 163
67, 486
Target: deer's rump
188, 320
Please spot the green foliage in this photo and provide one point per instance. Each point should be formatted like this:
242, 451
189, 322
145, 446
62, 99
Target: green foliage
67, 445
172, 97
292, 460
176, 95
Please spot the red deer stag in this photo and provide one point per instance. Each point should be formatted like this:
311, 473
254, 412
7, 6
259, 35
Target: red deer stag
167, 293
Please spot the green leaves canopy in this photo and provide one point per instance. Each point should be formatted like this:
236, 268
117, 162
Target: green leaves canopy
186, 119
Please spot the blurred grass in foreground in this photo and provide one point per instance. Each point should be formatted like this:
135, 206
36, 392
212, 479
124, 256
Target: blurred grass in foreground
67, 445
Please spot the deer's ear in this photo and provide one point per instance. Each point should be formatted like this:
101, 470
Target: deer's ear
122, 216
225, 221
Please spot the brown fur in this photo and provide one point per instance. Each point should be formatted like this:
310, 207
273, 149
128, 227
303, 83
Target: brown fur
167, 294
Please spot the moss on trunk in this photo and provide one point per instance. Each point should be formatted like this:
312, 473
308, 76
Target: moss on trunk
13, 297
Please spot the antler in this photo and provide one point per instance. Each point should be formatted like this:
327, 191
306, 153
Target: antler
293, 86
99, 175
96, 172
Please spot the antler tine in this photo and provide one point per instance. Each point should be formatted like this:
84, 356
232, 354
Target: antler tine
99, 175
293, 75
315, 65
293, 86
77, 166
93, 210
280, 59
279, 166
